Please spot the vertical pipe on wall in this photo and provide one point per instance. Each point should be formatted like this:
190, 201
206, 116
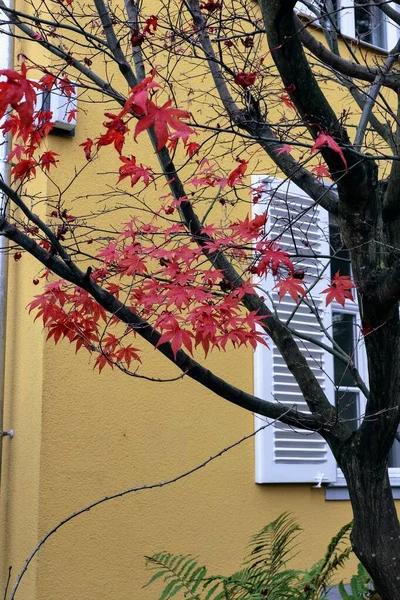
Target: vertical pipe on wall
6, 62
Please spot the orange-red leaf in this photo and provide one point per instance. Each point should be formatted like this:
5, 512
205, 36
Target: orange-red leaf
163, 119
324, 140
339, 290
292, 286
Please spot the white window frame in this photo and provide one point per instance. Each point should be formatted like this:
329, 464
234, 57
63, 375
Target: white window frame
347, 23
337, 490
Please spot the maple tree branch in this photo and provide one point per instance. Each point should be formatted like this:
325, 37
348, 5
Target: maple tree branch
340, 355
372, 94
297, 364
132, 11
56, 24
114, 44
388, 10
346, 75
391, 205
226, 98
259, 129
67, 58
312, 105
360, 98
317, 422
17, 200
131, 490
341, 65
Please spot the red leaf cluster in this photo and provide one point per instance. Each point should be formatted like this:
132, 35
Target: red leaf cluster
272, 257
211, 5
134, 171
245, 80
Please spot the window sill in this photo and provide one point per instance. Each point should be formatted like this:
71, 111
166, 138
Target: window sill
339, 491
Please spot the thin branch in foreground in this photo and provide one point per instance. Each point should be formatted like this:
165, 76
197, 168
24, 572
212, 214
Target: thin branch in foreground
131, 490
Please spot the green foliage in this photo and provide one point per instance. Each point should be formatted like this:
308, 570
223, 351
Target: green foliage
319, 576
180, 573
264, 574
361, 587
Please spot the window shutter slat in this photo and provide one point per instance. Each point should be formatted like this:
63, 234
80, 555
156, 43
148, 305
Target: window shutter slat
285, 454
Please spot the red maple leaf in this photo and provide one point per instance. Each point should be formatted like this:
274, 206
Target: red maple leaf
285, 149
324, 140
287, 101
137, 38
127, 354
48, 159
132, 262
291, 285
48, 81
192, 148
163, 119
87, 147
151, 25
110, 254
66, 86
24, 169
17, 152
134, 171
211, 5
321, 171
105, 358
116, 131
173, 333
237, 174
71, 115
339, 290
19, 93
249, 229
138, 98
245, 80
272, 258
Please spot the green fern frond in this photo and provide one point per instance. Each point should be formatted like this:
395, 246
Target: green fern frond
360, 584
181, 573
257, 585
264, 574
320, 574
273, 543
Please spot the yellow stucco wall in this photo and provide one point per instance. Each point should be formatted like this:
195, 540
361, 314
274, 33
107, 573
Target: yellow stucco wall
80, 436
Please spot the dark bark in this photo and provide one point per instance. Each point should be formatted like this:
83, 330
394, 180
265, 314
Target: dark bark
376, 529
363, 459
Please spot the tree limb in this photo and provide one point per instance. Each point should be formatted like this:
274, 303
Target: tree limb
341, 65
372, 94
182, 360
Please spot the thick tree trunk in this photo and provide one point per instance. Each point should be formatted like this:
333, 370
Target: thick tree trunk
376, 529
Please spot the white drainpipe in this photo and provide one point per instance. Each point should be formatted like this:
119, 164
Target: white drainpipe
6, 62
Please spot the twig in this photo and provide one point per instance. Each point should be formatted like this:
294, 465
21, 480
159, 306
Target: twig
131, 490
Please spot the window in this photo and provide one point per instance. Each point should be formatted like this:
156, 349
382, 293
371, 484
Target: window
358, 19
369, 23
285, 454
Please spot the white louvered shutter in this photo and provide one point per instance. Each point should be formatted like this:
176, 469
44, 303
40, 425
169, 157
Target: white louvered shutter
285, 454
